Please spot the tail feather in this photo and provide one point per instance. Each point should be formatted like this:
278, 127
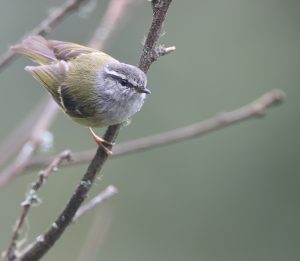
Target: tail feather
35, 48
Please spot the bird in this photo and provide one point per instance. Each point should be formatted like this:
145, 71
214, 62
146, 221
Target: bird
91, 87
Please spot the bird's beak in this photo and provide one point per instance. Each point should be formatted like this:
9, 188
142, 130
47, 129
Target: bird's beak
145, 90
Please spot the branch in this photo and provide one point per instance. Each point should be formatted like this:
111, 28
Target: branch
47, 240
45, 27
96, 235
105, 194
32, 199
255, 109
150, 51
109, 22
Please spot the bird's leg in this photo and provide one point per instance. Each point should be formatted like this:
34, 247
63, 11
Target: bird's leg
101, 142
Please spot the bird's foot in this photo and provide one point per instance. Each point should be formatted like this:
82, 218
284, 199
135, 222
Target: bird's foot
101, 142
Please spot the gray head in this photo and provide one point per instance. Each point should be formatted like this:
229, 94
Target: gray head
129, 77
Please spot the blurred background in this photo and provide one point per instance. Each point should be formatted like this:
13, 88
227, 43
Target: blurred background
229, 195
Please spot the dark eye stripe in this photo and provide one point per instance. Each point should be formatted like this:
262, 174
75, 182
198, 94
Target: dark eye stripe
122, 81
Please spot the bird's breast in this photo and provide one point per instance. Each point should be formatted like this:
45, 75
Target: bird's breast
113, 110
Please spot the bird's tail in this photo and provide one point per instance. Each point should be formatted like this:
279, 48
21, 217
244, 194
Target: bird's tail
35, 48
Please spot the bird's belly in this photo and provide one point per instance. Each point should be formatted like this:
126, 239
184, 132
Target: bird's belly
113, 113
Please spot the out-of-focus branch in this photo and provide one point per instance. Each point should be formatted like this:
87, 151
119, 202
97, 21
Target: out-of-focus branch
20, 135
44, 120
105, 194
96, 235
256, 108
31, 199
45, 27
48, 239
109, 22
99, 227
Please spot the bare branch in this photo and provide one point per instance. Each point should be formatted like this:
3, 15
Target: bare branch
31, 199
45, 27
254, 109
105, 194
149, 53
47, 240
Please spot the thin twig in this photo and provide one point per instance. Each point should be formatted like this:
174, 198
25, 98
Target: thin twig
47, 240
195, 130
45, 27
32, 199
105, 194
161, 50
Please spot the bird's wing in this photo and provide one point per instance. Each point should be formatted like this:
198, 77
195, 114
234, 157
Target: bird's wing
80, 91
66, 50
51, 76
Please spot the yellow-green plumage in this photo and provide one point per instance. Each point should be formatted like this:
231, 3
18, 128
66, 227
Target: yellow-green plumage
84, 70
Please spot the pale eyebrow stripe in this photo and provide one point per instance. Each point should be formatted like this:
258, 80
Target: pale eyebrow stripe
121, 76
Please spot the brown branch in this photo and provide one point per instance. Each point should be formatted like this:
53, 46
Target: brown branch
105, 194
45, 27
47, 240
149, 53
226, 119
31, 199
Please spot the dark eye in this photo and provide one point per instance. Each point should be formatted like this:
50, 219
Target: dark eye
124, 82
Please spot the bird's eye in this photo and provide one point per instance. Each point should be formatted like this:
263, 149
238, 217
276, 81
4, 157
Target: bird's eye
124, 82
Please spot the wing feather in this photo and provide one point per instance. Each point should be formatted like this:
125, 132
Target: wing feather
51, 76
66, 50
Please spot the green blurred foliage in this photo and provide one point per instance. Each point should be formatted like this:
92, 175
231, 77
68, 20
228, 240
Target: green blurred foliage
230, 195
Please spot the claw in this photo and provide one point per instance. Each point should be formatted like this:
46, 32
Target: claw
101, 142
